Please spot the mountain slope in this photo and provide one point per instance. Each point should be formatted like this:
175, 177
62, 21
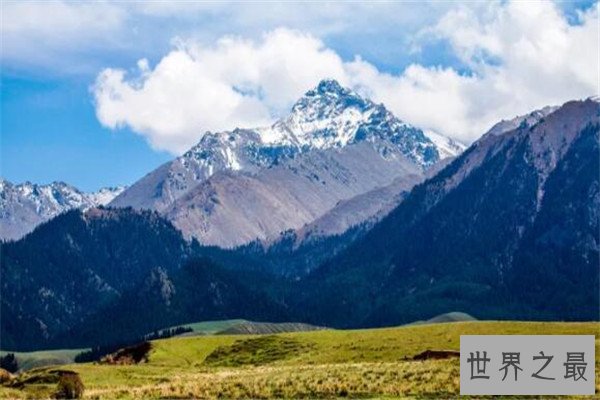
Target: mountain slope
73, 276
507, 230
446, 147
25, 206
199, 291
295, 253
363, 209
236, 187
73, 265
233, 209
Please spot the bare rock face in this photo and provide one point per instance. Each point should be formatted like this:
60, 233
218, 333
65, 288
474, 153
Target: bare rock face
283, 197
236, 187
364, 210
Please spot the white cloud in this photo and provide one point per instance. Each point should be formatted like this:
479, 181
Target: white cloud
193, 89
41, 33
431, 98
57, 18
65, 37
521, 56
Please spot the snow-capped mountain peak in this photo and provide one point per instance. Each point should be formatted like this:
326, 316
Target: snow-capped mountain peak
24, 206
324, 126
331, 87
327, 116
331, 116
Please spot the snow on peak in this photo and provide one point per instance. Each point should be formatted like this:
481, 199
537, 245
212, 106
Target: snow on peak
55, 197
446, 146
327, 116
331, 116
329, 86
105, 195
26, 205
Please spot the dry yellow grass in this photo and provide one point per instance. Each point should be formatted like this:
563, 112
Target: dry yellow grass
322, 381
331, 364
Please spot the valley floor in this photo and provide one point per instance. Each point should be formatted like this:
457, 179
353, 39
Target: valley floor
319, 364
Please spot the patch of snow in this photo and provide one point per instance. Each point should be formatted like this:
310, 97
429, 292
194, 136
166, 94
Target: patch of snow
232, 161
105, 195
24, 206
446, 146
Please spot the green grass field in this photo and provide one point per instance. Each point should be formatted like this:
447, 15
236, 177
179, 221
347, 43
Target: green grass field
319, 364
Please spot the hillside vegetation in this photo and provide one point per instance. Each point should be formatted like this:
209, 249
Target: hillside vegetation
317, 364
36, 359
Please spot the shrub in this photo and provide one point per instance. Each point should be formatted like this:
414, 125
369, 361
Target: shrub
9, 363
69, 386
129, 355
256, 351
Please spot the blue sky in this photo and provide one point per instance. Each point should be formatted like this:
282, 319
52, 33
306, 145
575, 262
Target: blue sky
63, 63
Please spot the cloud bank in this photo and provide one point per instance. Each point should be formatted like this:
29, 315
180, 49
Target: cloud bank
193, 89
516, 57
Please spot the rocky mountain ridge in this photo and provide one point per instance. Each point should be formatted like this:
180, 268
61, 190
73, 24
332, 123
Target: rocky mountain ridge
24, 206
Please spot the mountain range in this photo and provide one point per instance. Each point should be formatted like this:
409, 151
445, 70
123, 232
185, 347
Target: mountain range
338, 215
236, 187
25, 206
508, 230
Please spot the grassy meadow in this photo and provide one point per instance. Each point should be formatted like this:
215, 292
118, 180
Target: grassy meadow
319, 364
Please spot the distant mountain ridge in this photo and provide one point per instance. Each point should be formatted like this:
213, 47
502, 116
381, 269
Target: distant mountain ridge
248, 184
26, 205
